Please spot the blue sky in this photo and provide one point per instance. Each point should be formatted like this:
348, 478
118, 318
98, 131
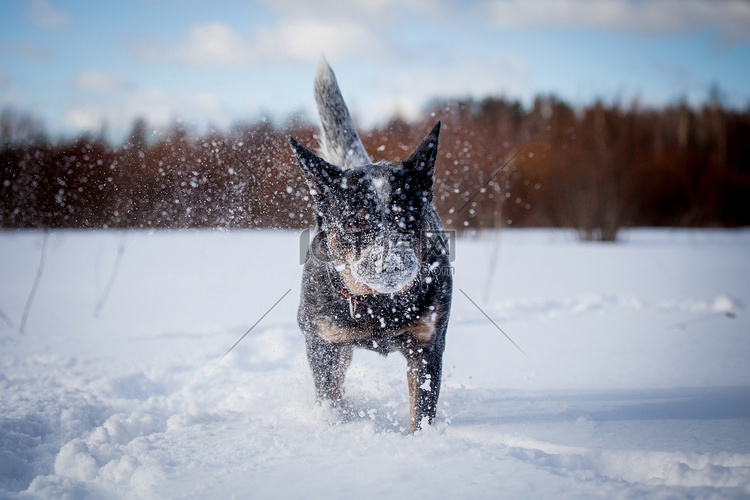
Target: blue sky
82, 65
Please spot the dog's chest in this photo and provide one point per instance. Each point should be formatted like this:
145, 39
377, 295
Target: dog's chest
341, 317
378, 324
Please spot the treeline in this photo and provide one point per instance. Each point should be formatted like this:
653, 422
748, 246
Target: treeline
596, 169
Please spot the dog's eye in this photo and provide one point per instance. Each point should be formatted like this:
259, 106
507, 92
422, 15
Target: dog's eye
353, 223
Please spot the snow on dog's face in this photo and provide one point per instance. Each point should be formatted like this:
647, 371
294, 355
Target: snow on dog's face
373, 214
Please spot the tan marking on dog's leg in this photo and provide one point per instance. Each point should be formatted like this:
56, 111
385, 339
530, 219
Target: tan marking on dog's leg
333, 333
339, 373
330, 332
412, 377
423, 329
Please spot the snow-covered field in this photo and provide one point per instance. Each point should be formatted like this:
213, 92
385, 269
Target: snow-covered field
635, 383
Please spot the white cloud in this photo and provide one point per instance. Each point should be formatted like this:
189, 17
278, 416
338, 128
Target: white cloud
101, 82
212, 44
157, 107
298, 39
43, 14
306, 39
84, 119
403, 106
405, 92
730, 17
369, 10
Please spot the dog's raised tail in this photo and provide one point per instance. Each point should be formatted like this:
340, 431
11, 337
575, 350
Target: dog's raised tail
340, 143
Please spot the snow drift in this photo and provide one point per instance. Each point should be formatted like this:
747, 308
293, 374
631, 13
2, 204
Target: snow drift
635, 383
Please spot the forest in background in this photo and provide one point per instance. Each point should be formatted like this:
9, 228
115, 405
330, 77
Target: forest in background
596, 169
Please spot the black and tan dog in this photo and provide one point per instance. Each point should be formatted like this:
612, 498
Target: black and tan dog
378, 275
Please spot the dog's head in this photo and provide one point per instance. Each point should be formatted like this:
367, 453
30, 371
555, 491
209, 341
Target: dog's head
373, 215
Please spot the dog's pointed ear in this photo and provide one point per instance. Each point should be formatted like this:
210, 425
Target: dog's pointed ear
422, 160
318, 172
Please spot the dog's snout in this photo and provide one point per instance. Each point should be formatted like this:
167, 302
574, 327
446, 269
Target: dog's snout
386, 266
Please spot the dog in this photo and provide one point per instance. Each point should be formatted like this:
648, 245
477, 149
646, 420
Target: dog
379, 274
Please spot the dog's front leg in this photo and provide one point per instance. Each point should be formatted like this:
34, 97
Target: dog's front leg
423, 371
328, 363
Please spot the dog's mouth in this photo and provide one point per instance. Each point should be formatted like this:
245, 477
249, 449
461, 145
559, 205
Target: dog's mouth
386, 266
